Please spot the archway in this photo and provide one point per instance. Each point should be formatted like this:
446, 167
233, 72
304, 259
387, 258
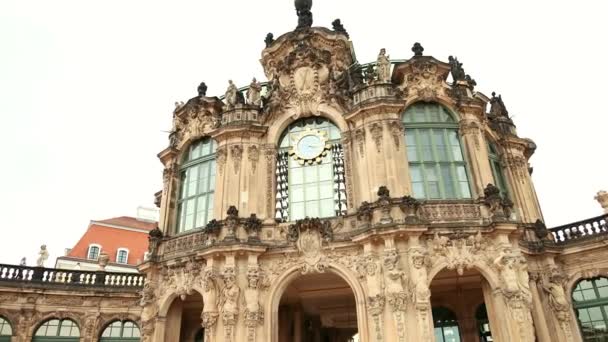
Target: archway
183, 320
458, 303
317, 307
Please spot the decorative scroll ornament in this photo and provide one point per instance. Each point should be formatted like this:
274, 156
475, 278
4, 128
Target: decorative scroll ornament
220, 157
460, 252
376, 130
425, 81
396, 128
181, 280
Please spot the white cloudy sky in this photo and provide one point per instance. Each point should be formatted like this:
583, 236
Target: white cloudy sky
87, 90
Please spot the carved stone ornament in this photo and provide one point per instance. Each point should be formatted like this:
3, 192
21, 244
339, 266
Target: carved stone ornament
499, 207
460, 252
253, 226
417, 49
253, 154
338, 27
195, 119
394, 279
411, 208
269, 39
155, 236
424, 80
421, 293
309, 235
236, 153
469, 127
497, 106
365, 212
181, 279
376, 130
220, 157
229, 303
384, 202
396, 129
360, 138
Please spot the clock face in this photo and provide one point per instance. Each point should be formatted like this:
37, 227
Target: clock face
310, 146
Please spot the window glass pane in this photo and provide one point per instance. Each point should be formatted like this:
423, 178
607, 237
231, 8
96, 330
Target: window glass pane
296, 176
5, 328
448, 181
418, 190
297, 211
577, 296
432, 181
595, 313
603, 291
311, 192
297, 193
311, 174
438, 335
585, 284
440, 145
325, 172
312, 209
326, 190
589, 294
601, 282
426, 146
327, 208
456, 150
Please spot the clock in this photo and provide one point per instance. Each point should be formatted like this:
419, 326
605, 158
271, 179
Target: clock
309, 146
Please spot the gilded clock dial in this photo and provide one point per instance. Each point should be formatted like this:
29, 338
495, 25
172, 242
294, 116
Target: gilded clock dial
310, 146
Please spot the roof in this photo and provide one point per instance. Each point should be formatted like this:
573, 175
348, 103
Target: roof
129, 222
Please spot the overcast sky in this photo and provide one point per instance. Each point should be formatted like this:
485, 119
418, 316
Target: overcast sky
87, 91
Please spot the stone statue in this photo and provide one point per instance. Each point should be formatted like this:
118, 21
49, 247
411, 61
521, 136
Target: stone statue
393, 275
458, 73
253, 93
269, 39
303, 8
209, 293
43, 255
251, 293
22, 262
557, 295
602, 198
202, 89
419, 273
497, 106
229, 303
231, 96
383, 67
505, 263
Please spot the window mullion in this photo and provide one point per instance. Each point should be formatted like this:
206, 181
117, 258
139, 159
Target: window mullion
421, 164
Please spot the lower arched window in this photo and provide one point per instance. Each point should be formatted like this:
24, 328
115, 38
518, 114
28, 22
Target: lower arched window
6, 331
56, 330
590, 298
121, 331
445, 325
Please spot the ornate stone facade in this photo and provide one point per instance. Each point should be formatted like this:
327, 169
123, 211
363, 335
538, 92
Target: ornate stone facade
399, 257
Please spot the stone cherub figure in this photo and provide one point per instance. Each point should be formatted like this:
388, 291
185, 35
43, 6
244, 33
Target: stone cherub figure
43, 255
383, 67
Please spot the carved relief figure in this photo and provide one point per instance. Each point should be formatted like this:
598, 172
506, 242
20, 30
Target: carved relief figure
383, 67
419, 274
229, 303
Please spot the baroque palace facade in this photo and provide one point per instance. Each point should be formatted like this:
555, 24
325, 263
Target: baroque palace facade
337, 202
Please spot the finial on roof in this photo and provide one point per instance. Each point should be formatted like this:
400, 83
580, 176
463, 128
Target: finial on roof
417, 49
304, 15
338, 27
202, 89
269, 39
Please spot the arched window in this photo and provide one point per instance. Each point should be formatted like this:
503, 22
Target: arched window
119, 331
446, 325
590, 298
437, 166
483, 323
93, 252
497, 170
54, 328
195, 203
122, 256
310, 171
6, 331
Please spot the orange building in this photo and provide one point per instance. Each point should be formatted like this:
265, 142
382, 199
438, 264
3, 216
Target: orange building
124, 239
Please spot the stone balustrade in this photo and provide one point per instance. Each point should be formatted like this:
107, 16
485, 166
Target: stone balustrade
581, 230
13, 274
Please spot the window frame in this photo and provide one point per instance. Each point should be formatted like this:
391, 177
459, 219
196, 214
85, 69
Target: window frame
436, 162
598, 302
122, 249
8, 324
94, 245
455, 322
58, 335
182, 199
122, 330
497, 167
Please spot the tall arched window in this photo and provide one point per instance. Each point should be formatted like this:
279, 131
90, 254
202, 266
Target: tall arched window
6, 331
119, 331
57, 330
497, 170
437, 166
445, 325
590, 298
195, 203
310, 171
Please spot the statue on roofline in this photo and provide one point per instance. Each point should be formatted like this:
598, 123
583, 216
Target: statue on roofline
304, 15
